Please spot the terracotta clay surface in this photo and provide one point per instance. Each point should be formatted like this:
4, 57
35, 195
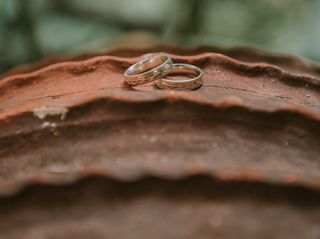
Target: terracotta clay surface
83, 154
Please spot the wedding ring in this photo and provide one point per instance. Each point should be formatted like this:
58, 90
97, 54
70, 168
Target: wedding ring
148, 70
182, 84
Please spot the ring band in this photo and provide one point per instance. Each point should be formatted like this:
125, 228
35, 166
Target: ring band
148, 70
182, 84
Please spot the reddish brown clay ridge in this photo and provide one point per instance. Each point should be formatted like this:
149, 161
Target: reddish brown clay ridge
287, 62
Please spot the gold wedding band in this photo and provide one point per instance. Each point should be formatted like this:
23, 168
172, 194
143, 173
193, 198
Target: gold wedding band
148, 70
182, 84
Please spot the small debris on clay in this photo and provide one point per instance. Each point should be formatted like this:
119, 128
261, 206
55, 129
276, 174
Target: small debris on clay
214, 145
48, 124
44, 111
285, 143
57, 169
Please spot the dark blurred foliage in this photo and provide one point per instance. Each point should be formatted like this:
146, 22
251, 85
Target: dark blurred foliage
33, 29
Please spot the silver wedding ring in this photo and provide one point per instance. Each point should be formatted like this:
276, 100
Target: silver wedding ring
148, 70
182, 84
158, 68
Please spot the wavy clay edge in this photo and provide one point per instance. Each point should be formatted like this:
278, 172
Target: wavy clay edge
249, 69
255, 176
156, 47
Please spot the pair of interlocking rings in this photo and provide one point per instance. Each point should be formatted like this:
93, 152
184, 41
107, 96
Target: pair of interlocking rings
157, 68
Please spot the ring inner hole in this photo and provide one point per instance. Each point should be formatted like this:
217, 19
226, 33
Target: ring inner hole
181, 74
148, 65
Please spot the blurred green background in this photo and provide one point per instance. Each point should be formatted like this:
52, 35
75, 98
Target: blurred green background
33, 29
